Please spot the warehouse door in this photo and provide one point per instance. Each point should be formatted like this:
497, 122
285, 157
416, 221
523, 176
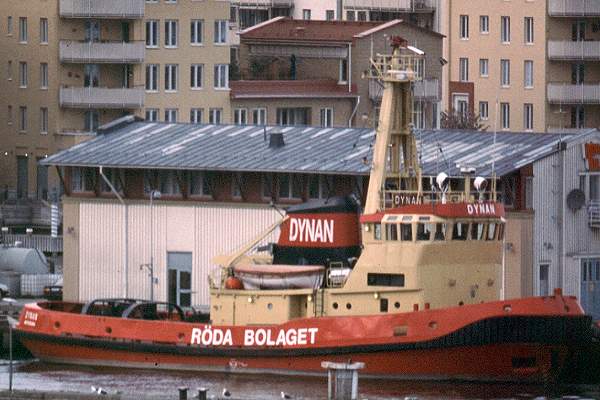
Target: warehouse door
179, 265
590, 286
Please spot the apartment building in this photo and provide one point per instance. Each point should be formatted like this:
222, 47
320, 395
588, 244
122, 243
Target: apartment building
497, 63
524, 65
73, 65
308, 72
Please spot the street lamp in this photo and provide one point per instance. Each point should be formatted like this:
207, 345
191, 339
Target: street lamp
154, 194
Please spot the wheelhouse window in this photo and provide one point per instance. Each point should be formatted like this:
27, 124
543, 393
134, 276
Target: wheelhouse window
391, 232
440, 232
424, 231
406, 232
477, 231
377, 231
460, 230
491, 232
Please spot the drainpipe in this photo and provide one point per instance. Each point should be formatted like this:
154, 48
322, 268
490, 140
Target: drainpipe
354, 111
125, 232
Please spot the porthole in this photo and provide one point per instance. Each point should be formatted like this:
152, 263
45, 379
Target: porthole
397, 304
56, 325
348, 306
181, 336
335, 306
433, 324
461, 303
108, 329
507, 308
270, 306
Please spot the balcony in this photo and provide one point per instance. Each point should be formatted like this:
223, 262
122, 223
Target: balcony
569, 50
101, 52
425, 90
392, 5
573, 8
564, 93
119, 9
263, 3
95, 97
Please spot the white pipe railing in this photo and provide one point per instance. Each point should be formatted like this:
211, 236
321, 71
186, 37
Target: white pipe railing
102, 8
569, 50
101, 52
423, 90
573, 94
401, 5
95, 97
573, 7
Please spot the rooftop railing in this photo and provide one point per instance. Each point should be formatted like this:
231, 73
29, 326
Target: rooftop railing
392, 5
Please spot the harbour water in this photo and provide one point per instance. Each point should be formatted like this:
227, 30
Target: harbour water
142, 384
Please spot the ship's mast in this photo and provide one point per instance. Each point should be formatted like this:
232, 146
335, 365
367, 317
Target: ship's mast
395, 169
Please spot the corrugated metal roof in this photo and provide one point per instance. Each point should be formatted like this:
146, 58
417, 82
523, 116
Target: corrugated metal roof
307, 149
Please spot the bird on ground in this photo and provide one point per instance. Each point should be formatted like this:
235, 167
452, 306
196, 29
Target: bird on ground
99, 390
226, 393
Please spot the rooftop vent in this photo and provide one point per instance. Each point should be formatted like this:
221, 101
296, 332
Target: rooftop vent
276, 140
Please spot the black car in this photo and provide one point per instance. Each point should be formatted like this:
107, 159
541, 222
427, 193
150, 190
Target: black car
54, 292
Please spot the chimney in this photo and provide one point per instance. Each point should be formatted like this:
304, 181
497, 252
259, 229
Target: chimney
276, 140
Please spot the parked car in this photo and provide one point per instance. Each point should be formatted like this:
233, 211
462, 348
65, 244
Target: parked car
55, 291
3, 290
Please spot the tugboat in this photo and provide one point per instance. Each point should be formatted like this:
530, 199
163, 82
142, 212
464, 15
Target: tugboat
411, 286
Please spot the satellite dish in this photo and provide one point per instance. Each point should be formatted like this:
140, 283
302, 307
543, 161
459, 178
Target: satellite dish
442, 181
480, 184
575, 199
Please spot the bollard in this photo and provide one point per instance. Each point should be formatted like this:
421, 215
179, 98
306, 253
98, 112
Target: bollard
342, 380
202, 393
182, 393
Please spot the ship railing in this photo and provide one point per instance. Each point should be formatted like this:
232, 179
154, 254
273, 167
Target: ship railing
398, 198
215, 278
400, 67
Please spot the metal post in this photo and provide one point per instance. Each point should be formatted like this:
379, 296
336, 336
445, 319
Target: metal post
151, 247
10, 356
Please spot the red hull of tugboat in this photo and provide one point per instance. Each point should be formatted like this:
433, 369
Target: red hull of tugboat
518, 340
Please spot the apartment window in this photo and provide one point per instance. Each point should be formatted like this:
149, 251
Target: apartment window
91, 119
9, 25
9, 115
9, 71
23, 30
484, 110
259, 116
236, 185
82, 179
464, 27
329, 15
196, 115
484, 24
44, 30
220, 31
463, 66
528, 30
171, 115
577, 117
290, 186
505, 115
578, 31
343, 73
528, 74
505, 29
418, 115
152, 33
168, 182
23, 119
152, 77
505, 72
350, 15
171, 28
200, 183
544, 279
240, 116
171, 77
327, 117
196, 80
23, 74
197, 28
43, 120
528, 116
92, 31
44, 76
577, 74
361, 15
221, 76
306, 14
484, 67
151, 114
293, 116
215, 116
